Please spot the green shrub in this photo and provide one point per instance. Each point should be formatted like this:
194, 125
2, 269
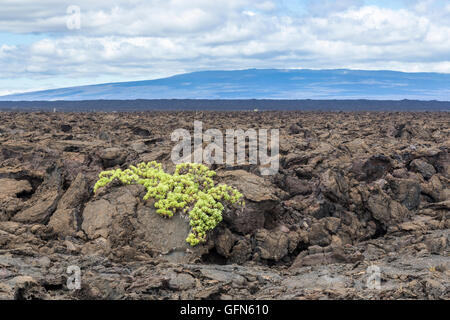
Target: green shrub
191, 188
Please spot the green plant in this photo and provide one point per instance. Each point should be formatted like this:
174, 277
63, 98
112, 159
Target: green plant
191, 188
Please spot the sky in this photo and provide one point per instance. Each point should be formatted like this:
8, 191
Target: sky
53, 43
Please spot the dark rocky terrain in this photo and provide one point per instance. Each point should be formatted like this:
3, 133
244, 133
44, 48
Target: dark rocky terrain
354, 190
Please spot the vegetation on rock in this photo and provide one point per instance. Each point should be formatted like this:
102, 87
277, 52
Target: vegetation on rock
191, 188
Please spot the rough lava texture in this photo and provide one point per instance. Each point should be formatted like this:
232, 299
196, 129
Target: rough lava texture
354, 190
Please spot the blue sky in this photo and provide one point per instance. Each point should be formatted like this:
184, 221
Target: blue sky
41, 46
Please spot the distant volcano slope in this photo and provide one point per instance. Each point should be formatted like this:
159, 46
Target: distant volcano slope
263, 84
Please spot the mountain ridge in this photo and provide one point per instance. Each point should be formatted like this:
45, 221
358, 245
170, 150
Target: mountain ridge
277, 84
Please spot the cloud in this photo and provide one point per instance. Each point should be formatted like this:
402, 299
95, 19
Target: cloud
138, 17
126, 40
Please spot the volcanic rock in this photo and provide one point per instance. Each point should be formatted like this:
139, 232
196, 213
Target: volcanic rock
354, 190
271, 245
112, 157
423, 167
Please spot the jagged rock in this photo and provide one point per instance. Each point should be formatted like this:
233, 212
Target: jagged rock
294, 239
322, 149
442, 162
112, 157
332, 224
76, 194
319, 208
318, 256
435, 189
12, 227
319, 235
44, 201
335, 186
419, 223
104, 136
248, 219
296, 186
139, 147
241, 252
353, 228
305, 172
64, 220
260, 198
294, 129
271, 245
12, 187
371, 169
140, 131
225, 275
224, 242
400, 173
437, 245
406, 191
298, 203
253, 187
76, 145
66, 128
384, 209
182, 281
317, 259
6, 292
97, 218
154, 155
423, 167
356, 146
39, 211
97, 247
443, 205
293, 160
21, 285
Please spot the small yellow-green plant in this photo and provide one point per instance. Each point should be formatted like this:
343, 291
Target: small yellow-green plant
191, 188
